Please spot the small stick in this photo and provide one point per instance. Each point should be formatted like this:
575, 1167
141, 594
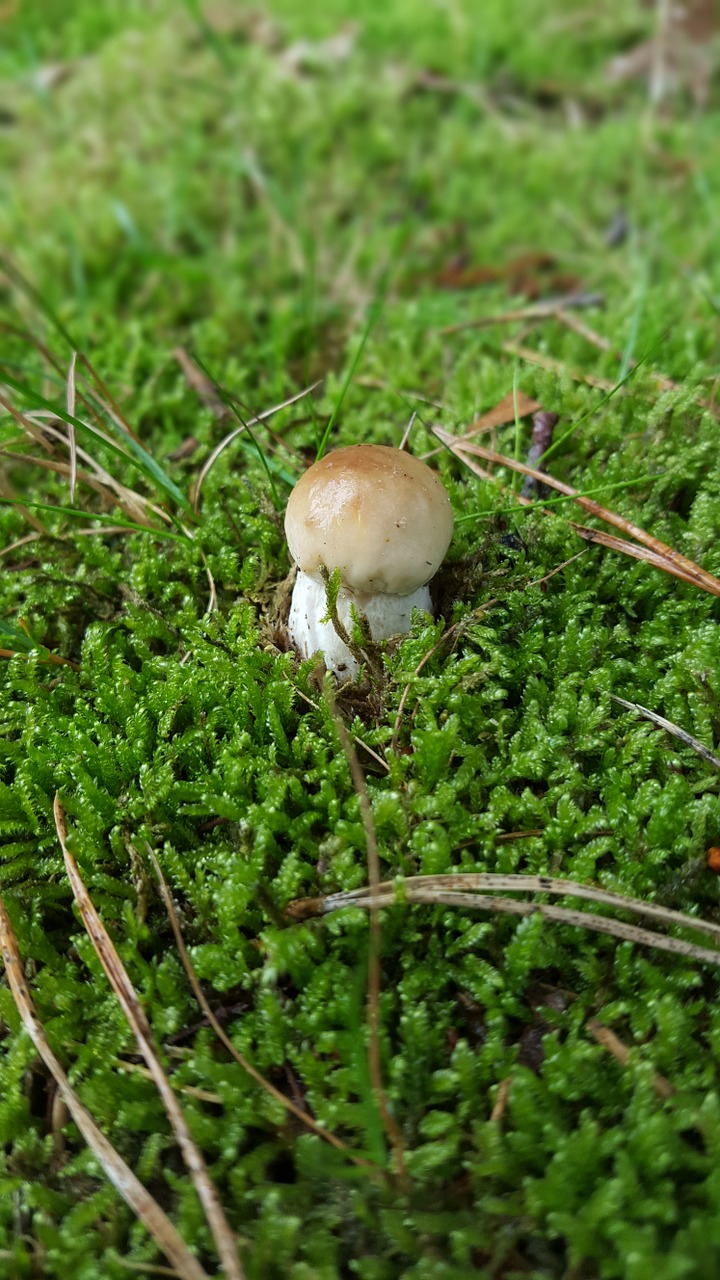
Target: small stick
237, 431
510, 906
72, 443
688, 569
507, 410
483, 881
542, 434
556, 366
501, 1101
621, 1053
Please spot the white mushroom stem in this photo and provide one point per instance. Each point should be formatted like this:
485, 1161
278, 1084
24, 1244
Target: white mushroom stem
387, 615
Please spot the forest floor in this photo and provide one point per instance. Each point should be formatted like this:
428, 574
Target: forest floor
414, 210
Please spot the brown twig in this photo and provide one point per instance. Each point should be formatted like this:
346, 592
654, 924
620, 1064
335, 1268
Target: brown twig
556, 366
511, 406
360, 741
501, 1101
116, 1170
116, 973
72, 443
447, 635
485, 881
621, 1053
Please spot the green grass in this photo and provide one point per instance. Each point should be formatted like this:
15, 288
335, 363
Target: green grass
184, 186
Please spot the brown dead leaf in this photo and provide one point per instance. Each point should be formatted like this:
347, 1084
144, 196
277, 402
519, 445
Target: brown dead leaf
511, 406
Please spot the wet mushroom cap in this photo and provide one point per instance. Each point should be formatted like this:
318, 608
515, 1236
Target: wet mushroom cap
377, 514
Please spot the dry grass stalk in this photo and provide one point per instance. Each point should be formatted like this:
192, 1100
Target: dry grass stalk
486, 881
535, 311
511, 407
120, 1175
556, 366
468, 892
190, 1090
658, 561
102, 397
21, 542
503, 1095
135, 505
390, 1124
662, 555
237, 431
24, 420
621, 1053
222, 1233
303, 1116
671, 728
360, 742
132, 505
72, 444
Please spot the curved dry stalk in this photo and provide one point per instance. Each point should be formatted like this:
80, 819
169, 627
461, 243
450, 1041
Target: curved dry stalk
360, 742
673, 562
134, 511
599, 538
116, 973
237, 431
487, 881
134, 504
433, 896
217, 1027
120, 1175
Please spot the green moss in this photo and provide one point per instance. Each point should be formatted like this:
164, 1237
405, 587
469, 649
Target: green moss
204, 194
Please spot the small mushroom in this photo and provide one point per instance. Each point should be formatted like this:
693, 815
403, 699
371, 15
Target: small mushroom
383, 519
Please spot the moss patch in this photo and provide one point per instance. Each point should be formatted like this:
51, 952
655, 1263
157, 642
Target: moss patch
214, 186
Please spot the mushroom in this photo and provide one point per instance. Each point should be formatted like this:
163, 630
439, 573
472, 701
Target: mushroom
383, 519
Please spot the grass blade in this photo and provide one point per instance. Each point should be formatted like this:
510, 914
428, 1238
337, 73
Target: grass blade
143, 460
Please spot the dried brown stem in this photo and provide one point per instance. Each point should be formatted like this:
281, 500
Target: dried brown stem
238, 431
621, 1053
672, 561
116, 973
72, 443
373, 862
120, 1175
467, 891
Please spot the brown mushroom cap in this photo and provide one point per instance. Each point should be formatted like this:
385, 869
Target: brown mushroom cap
375, 513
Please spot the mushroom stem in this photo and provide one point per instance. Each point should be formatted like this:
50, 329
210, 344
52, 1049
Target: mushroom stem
311, 629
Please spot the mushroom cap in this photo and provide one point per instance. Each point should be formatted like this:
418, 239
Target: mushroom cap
377, 514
